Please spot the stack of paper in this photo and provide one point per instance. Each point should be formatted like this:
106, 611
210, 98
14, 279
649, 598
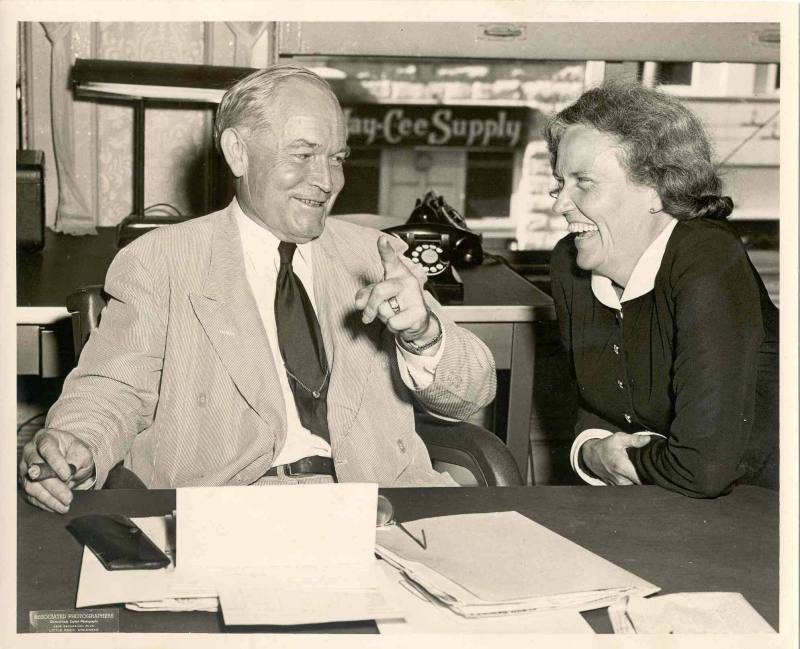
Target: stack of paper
501, 563
423, 613
297, 554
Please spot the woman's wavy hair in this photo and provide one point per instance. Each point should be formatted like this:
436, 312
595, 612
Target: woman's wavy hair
247, 102
665, 145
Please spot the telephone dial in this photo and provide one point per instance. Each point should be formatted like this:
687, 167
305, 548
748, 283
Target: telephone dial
438, 240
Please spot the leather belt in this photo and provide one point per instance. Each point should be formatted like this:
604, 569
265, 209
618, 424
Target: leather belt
313, 464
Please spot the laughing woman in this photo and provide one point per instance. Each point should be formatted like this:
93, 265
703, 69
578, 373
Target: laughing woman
671, 334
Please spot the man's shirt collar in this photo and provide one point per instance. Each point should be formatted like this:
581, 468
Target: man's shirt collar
256, 240
642, 278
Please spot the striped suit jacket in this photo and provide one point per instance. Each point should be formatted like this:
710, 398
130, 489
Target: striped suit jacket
177, 380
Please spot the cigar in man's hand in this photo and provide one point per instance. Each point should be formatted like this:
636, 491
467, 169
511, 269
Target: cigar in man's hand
39, 471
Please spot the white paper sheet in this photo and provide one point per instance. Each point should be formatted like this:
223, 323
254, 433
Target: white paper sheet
284, 554
301, 594
294, 525
423, 614
687, 613
252, 603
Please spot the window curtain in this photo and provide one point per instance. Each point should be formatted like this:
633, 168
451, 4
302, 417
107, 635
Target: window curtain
73, 215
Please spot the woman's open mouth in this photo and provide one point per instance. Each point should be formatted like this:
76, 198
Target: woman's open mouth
583, 230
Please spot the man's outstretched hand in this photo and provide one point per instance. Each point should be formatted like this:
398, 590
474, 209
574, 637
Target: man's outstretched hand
397, 301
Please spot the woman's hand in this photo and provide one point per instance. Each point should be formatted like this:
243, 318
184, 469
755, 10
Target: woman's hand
608, 460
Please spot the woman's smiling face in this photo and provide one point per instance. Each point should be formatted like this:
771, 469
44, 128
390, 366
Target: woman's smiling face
610, 214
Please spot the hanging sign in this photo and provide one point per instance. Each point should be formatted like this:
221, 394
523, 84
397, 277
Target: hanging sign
472, 127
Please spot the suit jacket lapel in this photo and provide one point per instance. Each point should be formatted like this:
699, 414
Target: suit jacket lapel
228, 313
349, 345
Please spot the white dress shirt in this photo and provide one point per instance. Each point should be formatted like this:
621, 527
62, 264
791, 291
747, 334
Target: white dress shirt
641, 281
260, 248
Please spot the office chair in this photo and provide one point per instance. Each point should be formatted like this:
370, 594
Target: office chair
472, 455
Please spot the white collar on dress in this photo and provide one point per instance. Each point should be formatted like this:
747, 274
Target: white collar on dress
642, 278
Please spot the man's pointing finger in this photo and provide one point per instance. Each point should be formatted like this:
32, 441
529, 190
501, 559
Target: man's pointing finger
389, 257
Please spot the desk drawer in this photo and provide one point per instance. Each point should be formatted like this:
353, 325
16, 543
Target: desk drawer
44, 351
28, 349
497, 336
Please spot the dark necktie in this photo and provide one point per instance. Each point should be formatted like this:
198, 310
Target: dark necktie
301, 345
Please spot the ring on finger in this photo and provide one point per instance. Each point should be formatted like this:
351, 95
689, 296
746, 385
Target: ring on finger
394, 304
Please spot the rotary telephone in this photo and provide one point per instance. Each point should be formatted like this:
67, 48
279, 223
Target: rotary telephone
438, 240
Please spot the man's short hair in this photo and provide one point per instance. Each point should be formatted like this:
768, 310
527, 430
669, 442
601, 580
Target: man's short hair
248, 101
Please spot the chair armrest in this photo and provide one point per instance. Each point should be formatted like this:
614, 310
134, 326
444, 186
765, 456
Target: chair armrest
85, 306
475, 448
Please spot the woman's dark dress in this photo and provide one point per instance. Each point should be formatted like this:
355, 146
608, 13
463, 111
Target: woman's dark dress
695, 359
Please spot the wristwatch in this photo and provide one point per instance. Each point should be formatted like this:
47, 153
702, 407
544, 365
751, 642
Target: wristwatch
411, 346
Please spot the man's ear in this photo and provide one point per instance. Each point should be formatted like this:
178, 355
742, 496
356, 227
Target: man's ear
234, 150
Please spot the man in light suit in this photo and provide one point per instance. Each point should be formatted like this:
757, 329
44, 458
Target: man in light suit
187, 379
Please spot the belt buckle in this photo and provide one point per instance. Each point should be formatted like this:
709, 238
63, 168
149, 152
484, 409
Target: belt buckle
301, 466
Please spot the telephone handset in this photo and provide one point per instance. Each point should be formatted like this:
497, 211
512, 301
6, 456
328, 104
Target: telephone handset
438, 241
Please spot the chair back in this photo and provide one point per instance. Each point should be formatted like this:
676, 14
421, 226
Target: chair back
473, 455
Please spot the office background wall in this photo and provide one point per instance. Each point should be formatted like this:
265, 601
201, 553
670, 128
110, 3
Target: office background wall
738, 102
177, 145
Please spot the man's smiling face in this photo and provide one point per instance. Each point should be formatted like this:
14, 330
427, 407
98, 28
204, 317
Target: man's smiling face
293, 170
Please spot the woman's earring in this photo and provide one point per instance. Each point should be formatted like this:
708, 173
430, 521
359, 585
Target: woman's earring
653, 211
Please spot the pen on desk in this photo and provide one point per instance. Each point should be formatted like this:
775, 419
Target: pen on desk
39, 471
423, 543
385, 517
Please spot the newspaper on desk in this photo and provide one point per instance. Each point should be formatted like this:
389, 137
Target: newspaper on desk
501, 563
280, 555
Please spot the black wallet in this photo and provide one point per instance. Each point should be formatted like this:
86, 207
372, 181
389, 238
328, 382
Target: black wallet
117, 542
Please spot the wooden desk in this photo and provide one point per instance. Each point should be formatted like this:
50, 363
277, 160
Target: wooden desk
677, 543
500, 307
